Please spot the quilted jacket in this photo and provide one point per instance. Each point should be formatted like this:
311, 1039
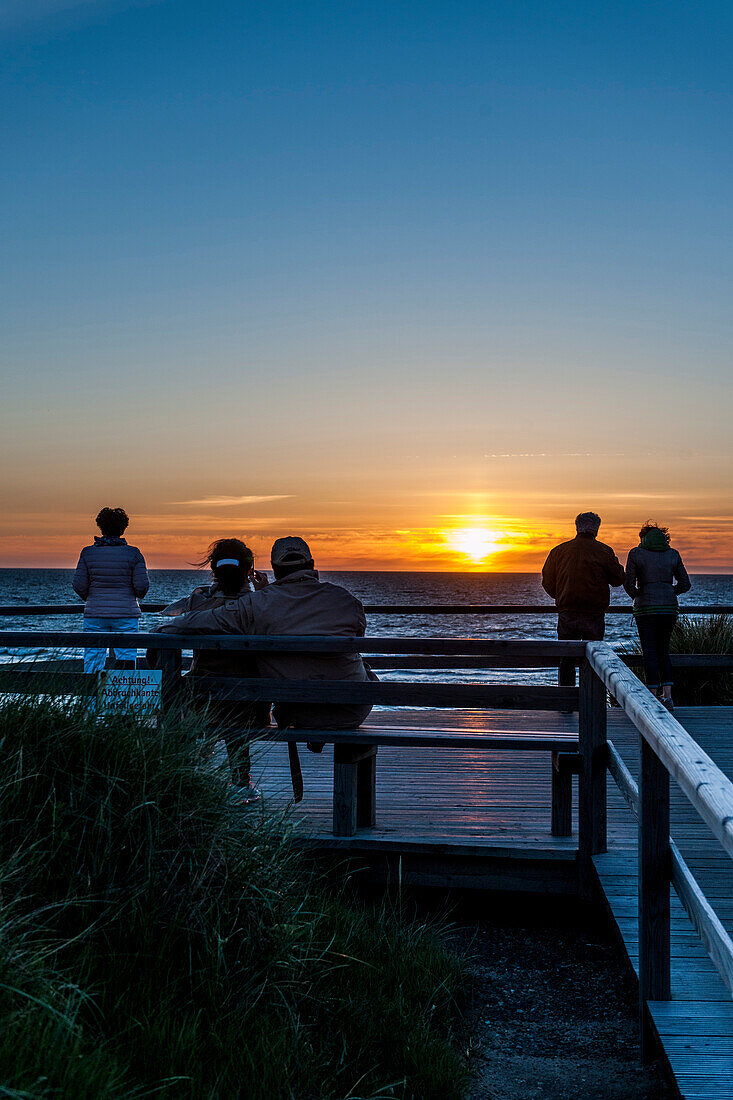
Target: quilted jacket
109, 577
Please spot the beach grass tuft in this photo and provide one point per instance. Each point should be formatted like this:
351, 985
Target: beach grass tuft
158, 940
700, 634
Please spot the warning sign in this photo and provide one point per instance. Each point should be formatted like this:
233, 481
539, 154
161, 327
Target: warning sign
123, 689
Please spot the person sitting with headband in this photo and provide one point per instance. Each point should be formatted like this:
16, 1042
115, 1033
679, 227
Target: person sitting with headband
298, 603
234, 576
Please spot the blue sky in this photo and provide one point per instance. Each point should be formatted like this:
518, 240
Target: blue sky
344, 251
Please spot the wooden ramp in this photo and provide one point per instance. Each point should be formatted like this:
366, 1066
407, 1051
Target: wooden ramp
695, 1028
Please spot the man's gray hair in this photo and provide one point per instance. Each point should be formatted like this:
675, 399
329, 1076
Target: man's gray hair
587, 523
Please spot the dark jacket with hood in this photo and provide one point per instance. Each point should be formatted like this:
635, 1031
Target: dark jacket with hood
109, 577
577, 575
652, 569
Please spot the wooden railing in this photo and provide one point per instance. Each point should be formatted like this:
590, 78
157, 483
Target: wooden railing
15, 610
402, 652
667, 749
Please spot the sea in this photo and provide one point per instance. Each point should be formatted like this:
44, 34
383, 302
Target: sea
23, 587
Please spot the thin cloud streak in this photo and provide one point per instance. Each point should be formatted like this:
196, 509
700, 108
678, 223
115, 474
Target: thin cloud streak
230, 502
558, 454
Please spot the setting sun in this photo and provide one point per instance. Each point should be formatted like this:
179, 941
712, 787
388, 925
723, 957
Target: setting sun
477, 543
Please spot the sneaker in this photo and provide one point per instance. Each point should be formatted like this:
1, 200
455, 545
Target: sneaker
668, 704
244, 794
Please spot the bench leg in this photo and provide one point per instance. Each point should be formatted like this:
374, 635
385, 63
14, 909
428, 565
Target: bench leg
354, 788
562, 794
344, 790
366, 790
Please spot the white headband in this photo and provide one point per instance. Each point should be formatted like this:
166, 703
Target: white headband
227, 561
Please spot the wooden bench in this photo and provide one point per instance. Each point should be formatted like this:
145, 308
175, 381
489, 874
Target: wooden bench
355, 750
355, 766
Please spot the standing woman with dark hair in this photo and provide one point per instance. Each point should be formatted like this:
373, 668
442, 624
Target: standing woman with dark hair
232, 567
110, 577
655, 577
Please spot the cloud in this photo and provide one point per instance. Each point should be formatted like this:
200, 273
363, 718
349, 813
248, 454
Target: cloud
230, 502
557, 454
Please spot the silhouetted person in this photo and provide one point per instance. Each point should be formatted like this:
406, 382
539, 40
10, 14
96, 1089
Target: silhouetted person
109, 577
655, 577
577, 575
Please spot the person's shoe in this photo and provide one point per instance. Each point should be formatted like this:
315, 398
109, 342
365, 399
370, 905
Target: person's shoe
669, 705
315, 746
243, 795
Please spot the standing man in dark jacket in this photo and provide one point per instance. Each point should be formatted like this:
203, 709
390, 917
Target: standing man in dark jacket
577, 575
109, 577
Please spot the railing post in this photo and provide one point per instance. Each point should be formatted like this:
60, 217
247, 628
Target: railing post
592, 782
655, 868
170, 663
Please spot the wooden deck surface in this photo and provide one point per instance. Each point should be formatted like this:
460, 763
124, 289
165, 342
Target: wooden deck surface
495, 806
433, 795
696, 1026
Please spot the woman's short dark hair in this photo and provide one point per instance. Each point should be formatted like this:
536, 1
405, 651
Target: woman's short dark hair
230, 578
112, 521
650, 525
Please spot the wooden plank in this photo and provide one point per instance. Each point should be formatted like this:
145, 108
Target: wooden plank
564, 765
419, 693
592, 827
170, 666
717, 942
344, 791
48, 683
425, 739
654, 880
320, 644
366, 790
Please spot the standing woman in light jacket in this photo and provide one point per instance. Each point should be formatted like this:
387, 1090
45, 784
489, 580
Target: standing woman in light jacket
655, 577
109, 578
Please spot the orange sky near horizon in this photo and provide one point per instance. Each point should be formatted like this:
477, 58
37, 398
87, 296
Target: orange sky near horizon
474, 539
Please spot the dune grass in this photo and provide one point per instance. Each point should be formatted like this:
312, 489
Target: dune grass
708, 634
158, 940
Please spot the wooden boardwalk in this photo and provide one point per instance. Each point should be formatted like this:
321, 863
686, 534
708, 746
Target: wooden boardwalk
695, 1028
445, 817
459, 817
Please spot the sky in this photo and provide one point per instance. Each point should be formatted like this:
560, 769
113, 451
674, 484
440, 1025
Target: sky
417, 281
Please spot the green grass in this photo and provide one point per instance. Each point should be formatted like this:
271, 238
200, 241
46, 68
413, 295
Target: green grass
699, 687
156, 940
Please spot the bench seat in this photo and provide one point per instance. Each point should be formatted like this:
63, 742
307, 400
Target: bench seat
355, 764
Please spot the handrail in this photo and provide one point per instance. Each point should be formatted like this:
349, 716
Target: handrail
15, 610
666, 749
715, 938
707, 787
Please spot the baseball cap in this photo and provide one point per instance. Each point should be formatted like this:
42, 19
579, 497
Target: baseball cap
290, 550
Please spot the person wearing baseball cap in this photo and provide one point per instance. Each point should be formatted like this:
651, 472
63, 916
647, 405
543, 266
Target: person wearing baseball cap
298, 602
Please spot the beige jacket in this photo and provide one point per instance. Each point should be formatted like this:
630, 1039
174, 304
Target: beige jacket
300, 604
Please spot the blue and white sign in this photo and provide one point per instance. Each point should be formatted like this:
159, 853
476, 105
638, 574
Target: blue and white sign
130, 689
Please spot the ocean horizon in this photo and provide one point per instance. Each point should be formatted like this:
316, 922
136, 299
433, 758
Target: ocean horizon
48, 586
